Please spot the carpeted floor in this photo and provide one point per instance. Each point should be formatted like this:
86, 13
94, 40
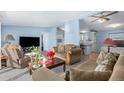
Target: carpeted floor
10, 74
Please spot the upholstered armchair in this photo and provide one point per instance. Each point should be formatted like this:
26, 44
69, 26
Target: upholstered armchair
70, 53
16, 57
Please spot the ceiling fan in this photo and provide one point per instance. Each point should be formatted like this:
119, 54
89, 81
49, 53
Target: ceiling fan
103, 16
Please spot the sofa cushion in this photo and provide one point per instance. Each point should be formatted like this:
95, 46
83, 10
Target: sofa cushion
104, 66
111, 57
81, 75
87, 65
118, 71
108, 63
116, 55
101, 57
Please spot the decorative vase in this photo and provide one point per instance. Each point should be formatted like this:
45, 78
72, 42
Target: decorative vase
51, 60
44, 65
44, 62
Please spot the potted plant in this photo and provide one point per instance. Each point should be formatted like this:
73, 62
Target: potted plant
36, 52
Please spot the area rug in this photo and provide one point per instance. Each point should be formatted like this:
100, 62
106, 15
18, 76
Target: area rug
10, 74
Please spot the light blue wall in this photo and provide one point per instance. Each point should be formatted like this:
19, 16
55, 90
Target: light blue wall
50, 37
17, 31
52, 41
50, 34
72, 32
101, 35
0, 34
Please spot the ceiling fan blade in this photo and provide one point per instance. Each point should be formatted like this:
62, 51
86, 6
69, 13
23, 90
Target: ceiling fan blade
103, 15
107, 19
111, 13
102, 12
95, 16
94, 20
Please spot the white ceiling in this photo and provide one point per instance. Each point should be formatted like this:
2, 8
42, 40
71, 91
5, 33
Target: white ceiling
40, 18
54, 18
86, 24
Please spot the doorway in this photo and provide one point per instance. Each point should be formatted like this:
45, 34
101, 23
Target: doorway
42, 43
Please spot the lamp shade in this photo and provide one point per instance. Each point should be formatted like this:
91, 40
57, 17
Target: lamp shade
9, 38
109, 42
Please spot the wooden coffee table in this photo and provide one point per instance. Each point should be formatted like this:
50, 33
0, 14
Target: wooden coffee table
58, 62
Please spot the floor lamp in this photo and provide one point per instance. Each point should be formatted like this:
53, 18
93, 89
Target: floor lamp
109, 43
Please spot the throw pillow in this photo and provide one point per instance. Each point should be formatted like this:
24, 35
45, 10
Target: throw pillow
80, 75
101, 57
104, 66
108, 63
111, 57
61, 48
117, 55
59, 52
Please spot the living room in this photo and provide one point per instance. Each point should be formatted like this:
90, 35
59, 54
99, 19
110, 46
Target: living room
82, 76
81, 28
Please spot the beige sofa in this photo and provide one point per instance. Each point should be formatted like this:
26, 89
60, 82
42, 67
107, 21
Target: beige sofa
87, 72
16, 57
118, 71
70, 53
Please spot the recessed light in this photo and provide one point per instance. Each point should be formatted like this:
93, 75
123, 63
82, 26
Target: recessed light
115, 25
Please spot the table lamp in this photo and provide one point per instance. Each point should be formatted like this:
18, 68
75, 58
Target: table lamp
109, 43
9, 38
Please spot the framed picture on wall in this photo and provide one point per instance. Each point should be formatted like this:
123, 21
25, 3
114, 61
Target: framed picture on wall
117, 36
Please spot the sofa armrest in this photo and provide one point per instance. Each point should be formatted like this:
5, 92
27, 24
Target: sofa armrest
75, 51
55, 49
81, 75
24, 59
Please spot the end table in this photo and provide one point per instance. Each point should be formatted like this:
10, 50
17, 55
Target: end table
3, 61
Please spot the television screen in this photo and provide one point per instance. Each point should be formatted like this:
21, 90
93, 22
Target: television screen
29, 41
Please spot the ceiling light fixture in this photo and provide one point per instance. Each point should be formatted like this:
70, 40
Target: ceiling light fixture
115, 25
101, 20
84, 31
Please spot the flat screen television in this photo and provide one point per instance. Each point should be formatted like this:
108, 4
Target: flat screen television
29, 41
